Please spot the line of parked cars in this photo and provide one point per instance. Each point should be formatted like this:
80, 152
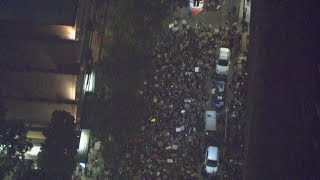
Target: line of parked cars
211, 162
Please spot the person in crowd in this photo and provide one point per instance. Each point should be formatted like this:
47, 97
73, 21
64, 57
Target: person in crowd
176, 96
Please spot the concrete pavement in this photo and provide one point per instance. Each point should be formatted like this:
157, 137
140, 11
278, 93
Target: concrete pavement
216, 18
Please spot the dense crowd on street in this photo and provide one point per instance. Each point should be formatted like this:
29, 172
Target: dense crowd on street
232, 163
172, 143
176, 95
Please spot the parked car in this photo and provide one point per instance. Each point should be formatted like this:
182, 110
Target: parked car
222, 66
211, 160
218, 94
210, 121
217, 102
196, 6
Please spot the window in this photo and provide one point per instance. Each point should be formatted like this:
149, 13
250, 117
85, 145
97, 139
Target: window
212, 163
223, 63
89, 82
196, 3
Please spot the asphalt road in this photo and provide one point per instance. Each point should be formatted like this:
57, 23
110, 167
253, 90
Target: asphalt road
283, 132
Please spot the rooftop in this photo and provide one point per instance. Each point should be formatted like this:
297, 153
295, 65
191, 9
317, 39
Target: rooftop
61, 12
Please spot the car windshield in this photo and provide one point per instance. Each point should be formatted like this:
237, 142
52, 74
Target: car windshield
223, 63
212, 163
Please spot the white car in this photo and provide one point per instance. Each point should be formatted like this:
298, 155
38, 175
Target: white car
196, 6
222, 67
211, 161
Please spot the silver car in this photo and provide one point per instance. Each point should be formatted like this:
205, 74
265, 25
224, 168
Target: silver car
212, 159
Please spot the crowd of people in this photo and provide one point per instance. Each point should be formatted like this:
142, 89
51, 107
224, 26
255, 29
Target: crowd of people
214, 4
169, 144
232, 163
172, 142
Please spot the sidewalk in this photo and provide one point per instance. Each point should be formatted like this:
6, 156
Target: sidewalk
95, 163
245, 6
214, 18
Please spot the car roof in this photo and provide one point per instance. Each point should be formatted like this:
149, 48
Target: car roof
211, 113
223, 49
212, 153
220, 82
224, 53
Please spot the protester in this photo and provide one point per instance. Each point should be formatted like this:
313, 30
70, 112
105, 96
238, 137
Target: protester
171, 143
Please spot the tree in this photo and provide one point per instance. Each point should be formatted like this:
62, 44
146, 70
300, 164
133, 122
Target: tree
13, 143
57, 156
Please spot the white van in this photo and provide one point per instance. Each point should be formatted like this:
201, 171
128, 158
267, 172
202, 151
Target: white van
210, 121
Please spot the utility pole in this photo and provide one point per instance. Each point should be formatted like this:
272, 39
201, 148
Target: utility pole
226, 125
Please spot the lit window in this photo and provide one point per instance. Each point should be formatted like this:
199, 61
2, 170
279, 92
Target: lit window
89, 82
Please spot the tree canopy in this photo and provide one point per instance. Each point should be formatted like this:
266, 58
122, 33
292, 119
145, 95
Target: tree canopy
57, 156
13, 142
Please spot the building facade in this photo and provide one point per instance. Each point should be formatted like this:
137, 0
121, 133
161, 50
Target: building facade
44, 54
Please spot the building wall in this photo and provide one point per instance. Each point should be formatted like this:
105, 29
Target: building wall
37, 31
39, 11
41, 54
38, 85
35, 112
41, 57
